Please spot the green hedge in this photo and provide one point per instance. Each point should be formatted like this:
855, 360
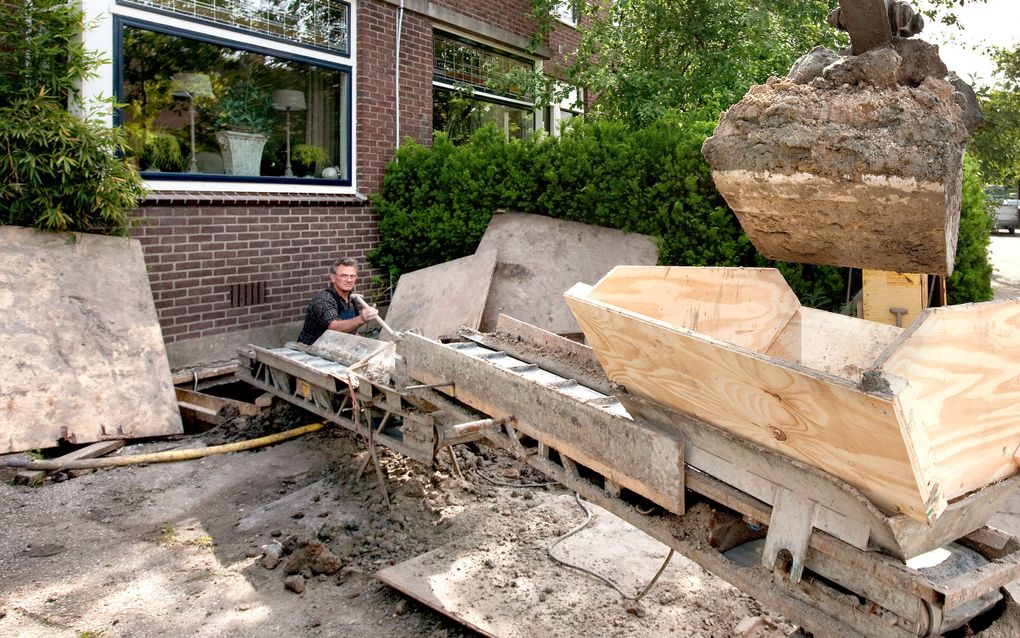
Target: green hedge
436, 202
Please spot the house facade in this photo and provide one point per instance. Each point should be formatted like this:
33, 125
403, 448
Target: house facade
262, 128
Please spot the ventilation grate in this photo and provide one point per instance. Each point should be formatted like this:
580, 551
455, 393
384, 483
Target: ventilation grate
250, 294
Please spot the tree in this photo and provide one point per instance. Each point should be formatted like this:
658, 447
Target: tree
997, 144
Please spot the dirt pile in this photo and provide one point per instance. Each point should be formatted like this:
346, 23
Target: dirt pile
850, 160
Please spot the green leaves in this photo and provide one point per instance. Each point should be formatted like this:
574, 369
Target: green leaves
58, 171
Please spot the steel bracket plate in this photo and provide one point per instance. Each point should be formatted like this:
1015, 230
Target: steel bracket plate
790, 527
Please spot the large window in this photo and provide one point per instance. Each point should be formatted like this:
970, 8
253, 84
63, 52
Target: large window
235, 90
473, 85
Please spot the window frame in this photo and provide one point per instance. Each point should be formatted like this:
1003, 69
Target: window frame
107, 39
480, 92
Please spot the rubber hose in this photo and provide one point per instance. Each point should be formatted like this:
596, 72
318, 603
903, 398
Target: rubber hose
168, 456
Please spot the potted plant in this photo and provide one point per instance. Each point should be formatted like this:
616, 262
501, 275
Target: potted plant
244, 115
311, 157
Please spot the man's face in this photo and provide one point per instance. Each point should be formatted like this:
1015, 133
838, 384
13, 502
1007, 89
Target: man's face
344, 279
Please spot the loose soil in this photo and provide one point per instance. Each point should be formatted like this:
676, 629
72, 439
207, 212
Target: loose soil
285, 541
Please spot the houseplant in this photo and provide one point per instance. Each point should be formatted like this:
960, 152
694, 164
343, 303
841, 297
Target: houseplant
244, 115
311, 157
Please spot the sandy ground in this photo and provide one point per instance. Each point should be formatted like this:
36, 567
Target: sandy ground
179, 549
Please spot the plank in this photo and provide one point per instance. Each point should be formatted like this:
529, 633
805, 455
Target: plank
747, 307
438, 300
962, 367
898, 536
543, 338
215, 403
84, 358
832, 343
200, 374
803, 414
467, 579
539, 257
635, 456
102, 448
883, 290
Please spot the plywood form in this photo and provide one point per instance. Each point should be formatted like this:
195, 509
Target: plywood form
84, 358
958, 368
871, 436
440, 299
540, 257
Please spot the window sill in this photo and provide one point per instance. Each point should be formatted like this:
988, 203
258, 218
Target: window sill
198, 195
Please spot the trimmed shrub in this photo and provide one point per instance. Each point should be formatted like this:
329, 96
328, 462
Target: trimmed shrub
972, 275
436, 202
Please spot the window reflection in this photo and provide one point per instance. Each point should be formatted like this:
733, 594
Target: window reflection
193, 106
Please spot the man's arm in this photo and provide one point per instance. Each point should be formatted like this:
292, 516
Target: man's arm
350, 325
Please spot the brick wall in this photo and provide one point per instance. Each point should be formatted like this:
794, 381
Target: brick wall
194, 253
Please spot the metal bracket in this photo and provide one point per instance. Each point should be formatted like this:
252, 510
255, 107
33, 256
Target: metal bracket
790, 528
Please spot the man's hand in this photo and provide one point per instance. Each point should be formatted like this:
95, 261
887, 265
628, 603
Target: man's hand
368, 313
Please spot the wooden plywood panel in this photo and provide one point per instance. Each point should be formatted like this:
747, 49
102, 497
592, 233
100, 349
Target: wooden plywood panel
438, 300
960, 371
817, 419
833, 343
84, 358
498, 585
747, 307
883, 290
540, 257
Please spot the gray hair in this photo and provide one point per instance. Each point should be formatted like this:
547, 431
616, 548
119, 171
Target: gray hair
346, 261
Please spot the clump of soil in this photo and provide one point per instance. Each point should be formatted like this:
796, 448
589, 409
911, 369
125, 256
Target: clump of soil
891, 111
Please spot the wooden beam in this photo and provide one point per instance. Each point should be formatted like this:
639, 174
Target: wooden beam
632, 455
102, 448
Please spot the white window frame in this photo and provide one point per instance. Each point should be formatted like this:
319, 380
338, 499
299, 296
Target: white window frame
565, 14
101, 39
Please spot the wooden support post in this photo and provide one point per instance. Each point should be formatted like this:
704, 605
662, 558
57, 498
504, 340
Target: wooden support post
894, 298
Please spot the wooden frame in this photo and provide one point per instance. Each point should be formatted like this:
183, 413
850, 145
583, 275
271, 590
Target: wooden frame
911, 418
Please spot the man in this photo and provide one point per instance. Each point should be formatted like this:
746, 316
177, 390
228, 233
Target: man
333, 308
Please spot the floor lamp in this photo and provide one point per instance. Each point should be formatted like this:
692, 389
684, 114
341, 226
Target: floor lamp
191, 86
288, 100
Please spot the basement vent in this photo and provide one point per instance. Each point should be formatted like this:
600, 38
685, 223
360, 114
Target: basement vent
250, 294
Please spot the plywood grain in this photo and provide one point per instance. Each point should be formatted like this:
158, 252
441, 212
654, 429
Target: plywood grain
832, 343
747, 307
815, 418
961, 365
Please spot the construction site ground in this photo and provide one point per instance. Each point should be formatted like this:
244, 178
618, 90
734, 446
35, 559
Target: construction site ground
179, 549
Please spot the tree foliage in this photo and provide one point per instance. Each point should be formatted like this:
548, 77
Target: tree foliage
643, 57
58, 170
997, 144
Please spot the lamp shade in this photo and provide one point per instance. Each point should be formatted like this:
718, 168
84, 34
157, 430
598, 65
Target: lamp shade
191, 85
288, 100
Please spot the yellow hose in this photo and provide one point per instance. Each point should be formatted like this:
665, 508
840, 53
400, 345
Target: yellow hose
163, 457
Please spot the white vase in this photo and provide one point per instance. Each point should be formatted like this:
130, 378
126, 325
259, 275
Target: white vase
242, 152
